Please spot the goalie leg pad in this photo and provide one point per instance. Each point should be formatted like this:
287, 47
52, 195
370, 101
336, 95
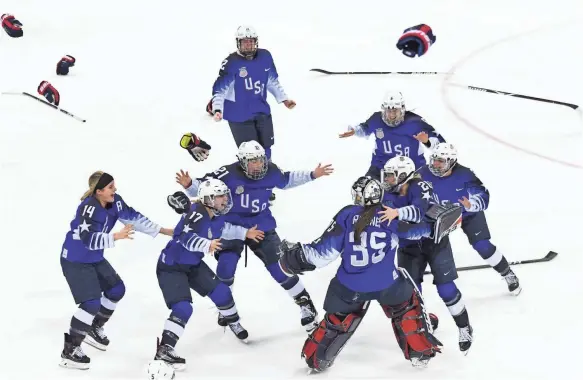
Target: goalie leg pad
325, 343
412, 330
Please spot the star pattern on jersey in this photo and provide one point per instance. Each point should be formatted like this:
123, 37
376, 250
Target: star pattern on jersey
84, 226
186, 229
425, 195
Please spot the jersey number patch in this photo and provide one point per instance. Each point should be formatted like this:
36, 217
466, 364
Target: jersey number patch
368, 243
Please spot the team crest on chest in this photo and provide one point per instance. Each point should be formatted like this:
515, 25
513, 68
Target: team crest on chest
239, 190
243, 72
210, 233
380, 133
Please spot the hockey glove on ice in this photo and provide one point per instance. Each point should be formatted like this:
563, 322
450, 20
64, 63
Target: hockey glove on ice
64, 64
197, 148
416, 40
179, 202
12, 26
49, 92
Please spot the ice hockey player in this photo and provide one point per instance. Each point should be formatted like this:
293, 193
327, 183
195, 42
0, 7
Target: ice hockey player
251, 180
94, 284
397, 132
239, 92
407, 198
180, 267
457, 184
368, 272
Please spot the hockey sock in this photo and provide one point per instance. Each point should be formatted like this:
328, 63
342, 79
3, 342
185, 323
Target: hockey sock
227, 266
452, 298
492, 256
109, 301
174, 325
223, 299
292, 285
83, 319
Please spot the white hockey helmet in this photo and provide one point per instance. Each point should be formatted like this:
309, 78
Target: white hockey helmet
396, 172
160, 370
367, 191
253, 160
393, 108
443, 158
214, 194
247, 41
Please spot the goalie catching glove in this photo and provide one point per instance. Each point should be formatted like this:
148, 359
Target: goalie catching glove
196, 147
292, 259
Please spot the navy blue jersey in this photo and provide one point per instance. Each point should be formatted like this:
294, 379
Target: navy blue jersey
368, 266
193, 235
239, 91
251, 197
414, 204
462, 182
90, 231
399, 140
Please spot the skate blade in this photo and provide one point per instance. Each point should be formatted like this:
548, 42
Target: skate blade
69, 364
311, 327
419, 363
179, 367
516, 291
90, 341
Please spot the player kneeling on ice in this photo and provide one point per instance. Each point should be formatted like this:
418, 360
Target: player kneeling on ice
397, 132
202, 230
251, 179
95, 285
457, 184
367, 272
408, 197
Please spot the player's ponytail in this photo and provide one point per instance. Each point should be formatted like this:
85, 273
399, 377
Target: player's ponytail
93, 180
364, 219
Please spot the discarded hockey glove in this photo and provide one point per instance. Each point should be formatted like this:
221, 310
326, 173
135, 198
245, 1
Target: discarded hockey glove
12, 26
196, 147
179, 202
50, 93
416, 40
64, 64
209, 108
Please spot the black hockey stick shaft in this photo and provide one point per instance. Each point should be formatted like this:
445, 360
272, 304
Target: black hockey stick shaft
377, 72
551, 255
491, 91
55, 107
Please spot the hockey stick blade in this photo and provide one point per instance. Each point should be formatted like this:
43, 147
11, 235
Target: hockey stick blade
377, 72
550, 256
47, 103
527, 97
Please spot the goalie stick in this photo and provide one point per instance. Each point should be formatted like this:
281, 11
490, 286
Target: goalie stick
47, 103
377, 72
490, 91
551, 255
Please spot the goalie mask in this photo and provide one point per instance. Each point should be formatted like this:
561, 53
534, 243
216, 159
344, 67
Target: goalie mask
253, 160
393, 109
367, 191
214, 194
397, 172
443, 159
247, 41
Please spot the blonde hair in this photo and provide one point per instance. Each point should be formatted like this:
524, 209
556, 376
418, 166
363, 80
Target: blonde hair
93, 180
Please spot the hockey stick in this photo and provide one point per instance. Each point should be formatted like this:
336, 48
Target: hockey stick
551, 255
377, 72
47, 103
490, 91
